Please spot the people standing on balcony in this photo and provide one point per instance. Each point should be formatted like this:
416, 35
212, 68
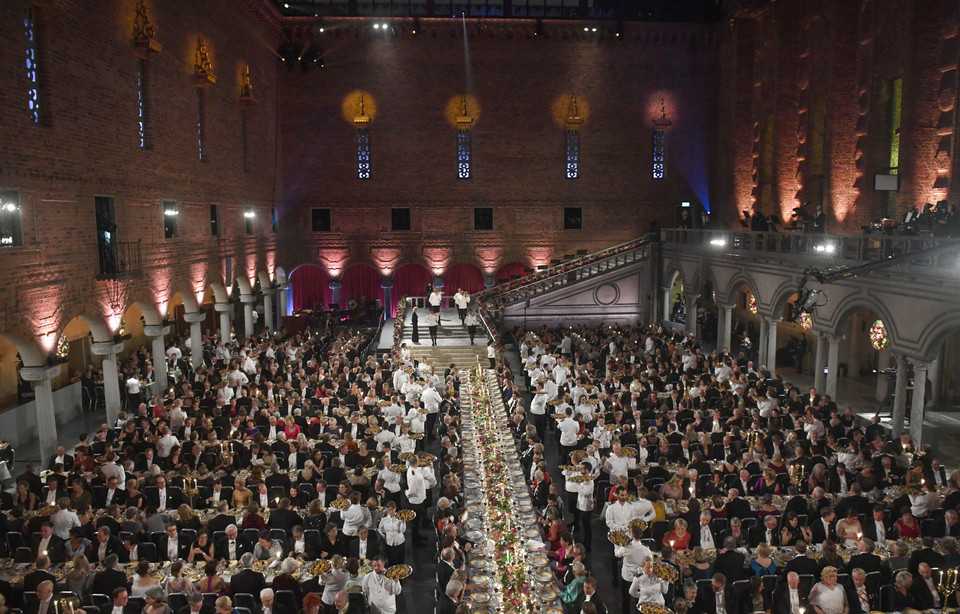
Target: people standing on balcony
820, 221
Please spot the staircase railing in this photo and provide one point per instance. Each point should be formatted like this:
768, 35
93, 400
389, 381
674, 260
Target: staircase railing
571, 271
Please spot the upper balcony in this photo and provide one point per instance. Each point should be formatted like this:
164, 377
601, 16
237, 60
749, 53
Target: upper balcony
915, 256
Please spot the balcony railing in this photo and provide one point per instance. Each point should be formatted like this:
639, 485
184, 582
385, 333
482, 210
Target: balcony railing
571, 271
822, 247
120, 260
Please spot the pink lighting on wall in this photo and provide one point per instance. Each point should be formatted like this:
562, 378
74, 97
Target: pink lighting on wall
48, 341
271, 259
538, 256
660, 103
437, 259
489, 258
386, 259
334, 261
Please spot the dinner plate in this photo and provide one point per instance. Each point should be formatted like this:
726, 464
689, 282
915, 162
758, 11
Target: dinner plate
474, 536
539, 561
544, 576
532, 533
480, 579
481, 597
548, 595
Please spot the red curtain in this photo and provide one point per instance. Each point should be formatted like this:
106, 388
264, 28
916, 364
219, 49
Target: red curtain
507, 271
311, 288
465, 276
410, 280
361, 282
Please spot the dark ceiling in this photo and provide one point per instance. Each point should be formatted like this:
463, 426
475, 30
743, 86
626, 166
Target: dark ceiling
688, 11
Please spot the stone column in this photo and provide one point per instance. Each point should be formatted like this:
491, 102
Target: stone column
771, 346
43, 400
883, 386
335, 287
111, 381
691, 311
226, 311
248, 300
196, 337
268, 309
819, 380
726, 328
489, 280
667, 306
919, 399
762, 344
159, 350
900, 396
387, 286
282, 307
833, 364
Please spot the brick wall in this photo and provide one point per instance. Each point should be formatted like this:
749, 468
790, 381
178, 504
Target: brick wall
89, 145
522, 86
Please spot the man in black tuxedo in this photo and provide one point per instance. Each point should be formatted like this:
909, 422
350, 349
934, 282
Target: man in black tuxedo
802, 564
284, 518
589, 595
41, 574
787, 598
222, 520
737, 506
109, 578
925, 554
730, 562
366, 545
171, 545
766, 533
865, 559
247, 580
823, 527
195, 605
876, 527
278, 479
718, 598
860, 598
233, 545
445, 567
119, 603
61, 458
949, 525
925, 594
854, 500
103, 546
268, 604
46, 543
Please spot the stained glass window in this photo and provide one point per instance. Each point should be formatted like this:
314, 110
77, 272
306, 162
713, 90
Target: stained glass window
659, 153
573, 154
363, 153
33, 69
463, 154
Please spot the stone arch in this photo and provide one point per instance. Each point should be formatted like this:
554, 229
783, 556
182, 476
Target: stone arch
672, 270
280, 274
309, 287
98, 328
264, 278
411, 279
219, 292
30, 354
848, 306
936, 331
739, 280
151, 316
781, 296
244, 285
188, 299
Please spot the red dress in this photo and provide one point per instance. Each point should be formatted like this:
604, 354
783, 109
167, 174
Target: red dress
907, 531
679, 543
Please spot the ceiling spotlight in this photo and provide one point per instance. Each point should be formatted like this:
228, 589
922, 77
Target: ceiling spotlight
586, 29
593, 29
376, 26
416, 25
825, 248
9, 207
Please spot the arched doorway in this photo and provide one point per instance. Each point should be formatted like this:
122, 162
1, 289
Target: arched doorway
465, 276
360, 288
310, 288
409, 280
13, 390
511, 272
677, 310
707, 321
745, 328
948, 378
796, 343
